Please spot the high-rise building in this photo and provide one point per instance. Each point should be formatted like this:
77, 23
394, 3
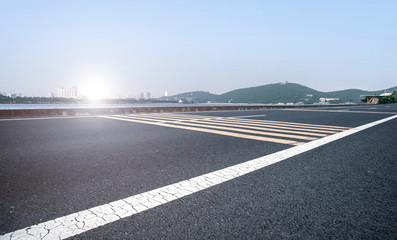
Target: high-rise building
67, 93
73, 92
61, 92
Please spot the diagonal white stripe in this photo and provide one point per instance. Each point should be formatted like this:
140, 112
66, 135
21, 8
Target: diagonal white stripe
76, 223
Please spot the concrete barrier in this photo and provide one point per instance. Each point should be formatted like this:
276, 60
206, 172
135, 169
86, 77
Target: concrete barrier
36, 113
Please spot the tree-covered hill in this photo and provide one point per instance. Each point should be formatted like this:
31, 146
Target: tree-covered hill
272, 93
278, 93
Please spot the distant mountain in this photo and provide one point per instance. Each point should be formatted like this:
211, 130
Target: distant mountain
271, 93
278, 93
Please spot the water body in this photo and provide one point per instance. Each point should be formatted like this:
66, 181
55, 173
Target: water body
79, 106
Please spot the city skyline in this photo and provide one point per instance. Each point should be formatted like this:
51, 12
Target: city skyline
73, 92
125, 48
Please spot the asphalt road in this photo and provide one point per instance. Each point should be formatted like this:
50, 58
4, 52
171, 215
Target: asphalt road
346, 189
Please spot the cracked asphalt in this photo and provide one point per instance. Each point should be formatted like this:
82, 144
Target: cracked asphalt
53, 168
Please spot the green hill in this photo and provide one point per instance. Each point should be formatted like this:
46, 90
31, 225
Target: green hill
278, 93
272, 93
354, 95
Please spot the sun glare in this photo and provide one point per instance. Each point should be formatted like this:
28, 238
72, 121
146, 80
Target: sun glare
96, 86
96, 91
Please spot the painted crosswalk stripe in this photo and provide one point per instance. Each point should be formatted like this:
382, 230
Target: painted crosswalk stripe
236, 124
291, 124
236, 121
267, 128
236, 127
226, 133
233, 129
284, 125
76, 223
304, 125
233, 122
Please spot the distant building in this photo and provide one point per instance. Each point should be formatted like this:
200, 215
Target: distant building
374, 99
166, 94
283, 83
385, 94
147, 95
323, 100
67, 93
61, 92
51, 95
73, 92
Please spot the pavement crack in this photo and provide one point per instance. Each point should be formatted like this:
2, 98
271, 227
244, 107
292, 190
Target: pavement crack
48, 232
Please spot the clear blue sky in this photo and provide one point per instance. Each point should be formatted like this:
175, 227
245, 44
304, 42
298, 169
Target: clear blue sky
127, 47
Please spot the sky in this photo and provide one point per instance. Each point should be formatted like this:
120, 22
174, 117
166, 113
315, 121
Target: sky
126, 47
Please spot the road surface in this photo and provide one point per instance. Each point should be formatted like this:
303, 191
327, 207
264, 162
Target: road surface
321, 173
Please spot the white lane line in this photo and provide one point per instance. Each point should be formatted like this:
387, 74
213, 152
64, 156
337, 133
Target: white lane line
209, 116
251, 116
43, 118
338, 111
77, 223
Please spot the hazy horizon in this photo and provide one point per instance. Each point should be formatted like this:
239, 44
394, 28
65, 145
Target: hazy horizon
128, 47
161, 95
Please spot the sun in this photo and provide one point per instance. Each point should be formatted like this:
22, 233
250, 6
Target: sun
96, 81
96, 86
96, 91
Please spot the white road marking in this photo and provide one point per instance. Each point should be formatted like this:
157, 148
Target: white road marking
337, 111
190, 116
211, 125
235, 122
251, 116
282, 125
77, 223
44, 118
199, 129
300, 125
262, 122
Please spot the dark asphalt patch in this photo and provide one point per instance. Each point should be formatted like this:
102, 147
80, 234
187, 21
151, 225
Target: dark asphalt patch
344, 190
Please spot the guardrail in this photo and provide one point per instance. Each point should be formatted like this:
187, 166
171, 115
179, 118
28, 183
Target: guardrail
35, 113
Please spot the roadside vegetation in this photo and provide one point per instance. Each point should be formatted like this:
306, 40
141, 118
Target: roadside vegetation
389, 99
385, 99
